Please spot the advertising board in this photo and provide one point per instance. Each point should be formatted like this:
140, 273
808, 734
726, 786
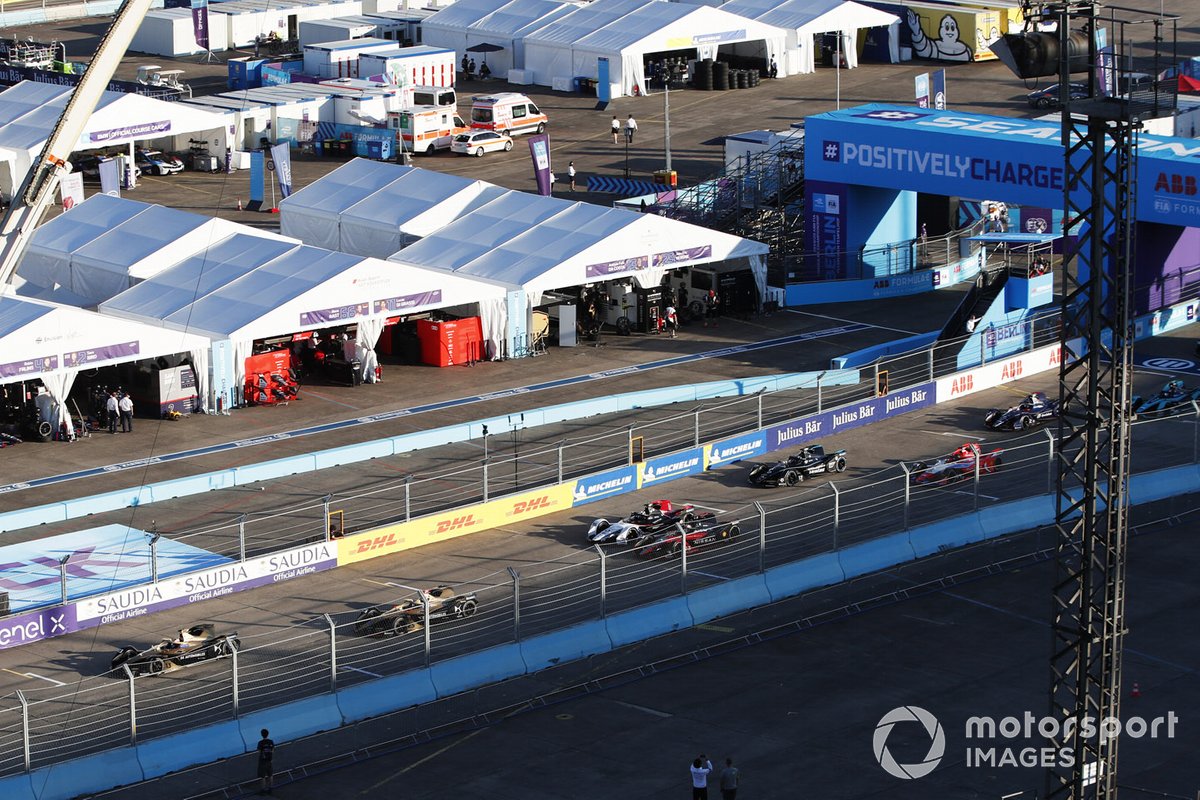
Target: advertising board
1006, 370
846, 417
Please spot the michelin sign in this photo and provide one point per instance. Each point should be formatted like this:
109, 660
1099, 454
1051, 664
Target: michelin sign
676, 465
977, 155
604, 484
737, 448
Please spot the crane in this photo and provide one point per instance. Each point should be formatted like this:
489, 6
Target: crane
36, 192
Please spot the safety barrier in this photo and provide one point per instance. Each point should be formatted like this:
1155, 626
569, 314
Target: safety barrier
728, 597
568, 644
459, 674
649, 621
402, 691
293, 720
82, 776
199, 746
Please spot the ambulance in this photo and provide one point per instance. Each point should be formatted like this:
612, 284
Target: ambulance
426, 129
508, 112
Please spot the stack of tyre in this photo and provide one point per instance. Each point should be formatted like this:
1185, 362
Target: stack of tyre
720, 76
702, 76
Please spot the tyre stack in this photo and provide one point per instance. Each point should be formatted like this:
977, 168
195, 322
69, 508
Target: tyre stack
755, 76
720, 76
702, 77
743, 79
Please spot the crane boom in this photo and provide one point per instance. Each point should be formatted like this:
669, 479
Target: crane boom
29, 202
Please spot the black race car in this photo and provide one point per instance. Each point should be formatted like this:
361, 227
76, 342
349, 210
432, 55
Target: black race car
409, 615
810, 461
1031, 412
654, 517
702, 530
1172, 398
192, 646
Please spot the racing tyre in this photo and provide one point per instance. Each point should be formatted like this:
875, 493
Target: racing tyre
991, 417
839, 464
1027, 423
401, 626
623, 326
791, 478
996, 462
44, 431
508, 145
364, 622
123, 655
479, 152
230, 646
541, 128
674, 550
756, 473
467, 609
734, 532
156, 666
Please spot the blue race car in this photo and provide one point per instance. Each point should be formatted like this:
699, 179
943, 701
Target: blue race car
1173, 397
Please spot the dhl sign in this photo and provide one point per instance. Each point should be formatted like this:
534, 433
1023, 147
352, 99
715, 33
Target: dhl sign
451, 524
1001, 371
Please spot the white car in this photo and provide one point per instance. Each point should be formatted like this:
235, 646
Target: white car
480, 142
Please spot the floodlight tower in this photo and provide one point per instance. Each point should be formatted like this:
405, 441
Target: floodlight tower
1099, 136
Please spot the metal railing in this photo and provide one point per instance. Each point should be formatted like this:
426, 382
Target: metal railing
40, 727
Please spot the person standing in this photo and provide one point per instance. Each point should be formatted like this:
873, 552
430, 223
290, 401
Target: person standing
470, 68
729, 780
571, 174
112, 407
616, 128
630, 129
701, 766
266, 761
672, 319
774, 69
466, 63
125, 406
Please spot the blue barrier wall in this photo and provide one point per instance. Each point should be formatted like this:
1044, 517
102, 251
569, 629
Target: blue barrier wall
869, 355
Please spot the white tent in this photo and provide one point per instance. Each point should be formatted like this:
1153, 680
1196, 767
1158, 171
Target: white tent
367, 210
29, 111
803, 19
107, 244
171, 32
245, 288
466, 23
53, 342
628, 31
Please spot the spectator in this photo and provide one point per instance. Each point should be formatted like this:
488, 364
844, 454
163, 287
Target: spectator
112, 408
616, 128
729, 780
466, 65
470, 68
711, 305
484, 72
266, 765
630, 129
972, 323
672, 320
701, 766
125, 406
774, 73
571, 174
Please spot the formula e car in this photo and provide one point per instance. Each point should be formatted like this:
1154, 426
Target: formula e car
958, 466
1172, 397
192, 646
654, 517
810, 461
408, 616
702, 530
1031, 412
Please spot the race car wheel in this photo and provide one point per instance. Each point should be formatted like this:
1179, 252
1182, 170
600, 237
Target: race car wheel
996, 462
123, 655
839, 464
791, 478
155, 666
401, 626
230, 645
990, 418
364, 623
1027, 423
674, 550
734, 532
756, 472
467, 609
623, 326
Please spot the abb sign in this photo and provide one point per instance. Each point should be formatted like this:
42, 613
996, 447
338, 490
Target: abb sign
994, 374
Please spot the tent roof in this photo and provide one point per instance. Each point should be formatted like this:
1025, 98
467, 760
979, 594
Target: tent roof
814, 16
614, 26
506, 19
38, 338
247, 288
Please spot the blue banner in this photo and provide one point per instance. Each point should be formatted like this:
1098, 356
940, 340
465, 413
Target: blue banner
841, 419
727, 451
605, 484
826, 230
258, 183
921, 84
110, 177
939, 90
677, 465
603, 82
282, 156
539, 150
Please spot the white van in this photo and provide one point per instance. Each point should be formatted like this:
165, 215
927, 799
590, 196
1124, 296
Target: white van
440, 96
509, 112
425, 129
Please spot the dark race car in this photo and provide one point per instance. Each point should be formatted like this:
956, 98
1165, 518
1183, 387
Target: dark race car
956, 467
1049, 97
654, 517
192, 646
1031, 412
810, 461
1173, 397
409, 615
703, 530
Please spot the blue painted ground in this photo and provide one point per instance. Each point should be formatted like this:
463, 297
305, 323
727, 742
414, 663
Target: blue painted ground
101, 560
421, 409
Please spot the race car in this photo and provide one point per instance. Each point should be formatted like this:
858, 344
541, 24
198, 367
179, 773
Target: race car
958, 466
1172, 397
654, 517
702, 530
810, 461
408, 616
1025, 416
192, 646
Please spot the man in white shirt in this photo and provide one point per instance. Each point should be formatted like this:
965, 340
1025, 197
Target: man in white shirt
630, 128
700, 769
125, 406
114, 412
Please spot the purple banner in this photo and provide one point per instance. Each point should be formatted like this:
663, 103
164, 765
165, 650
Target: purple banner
539, 149
142, 130
35, 626
939, 89
682, 256
200, 22
833, 422
614, 267
78, 358
340, 314
408, 301
825, 229
29, 366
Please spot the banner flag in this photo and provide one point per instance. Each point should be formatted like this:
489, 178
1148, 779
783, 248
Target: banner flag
281, 154
200, 22
110, 177
922, 86
258, 183
939, 90
539, 149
